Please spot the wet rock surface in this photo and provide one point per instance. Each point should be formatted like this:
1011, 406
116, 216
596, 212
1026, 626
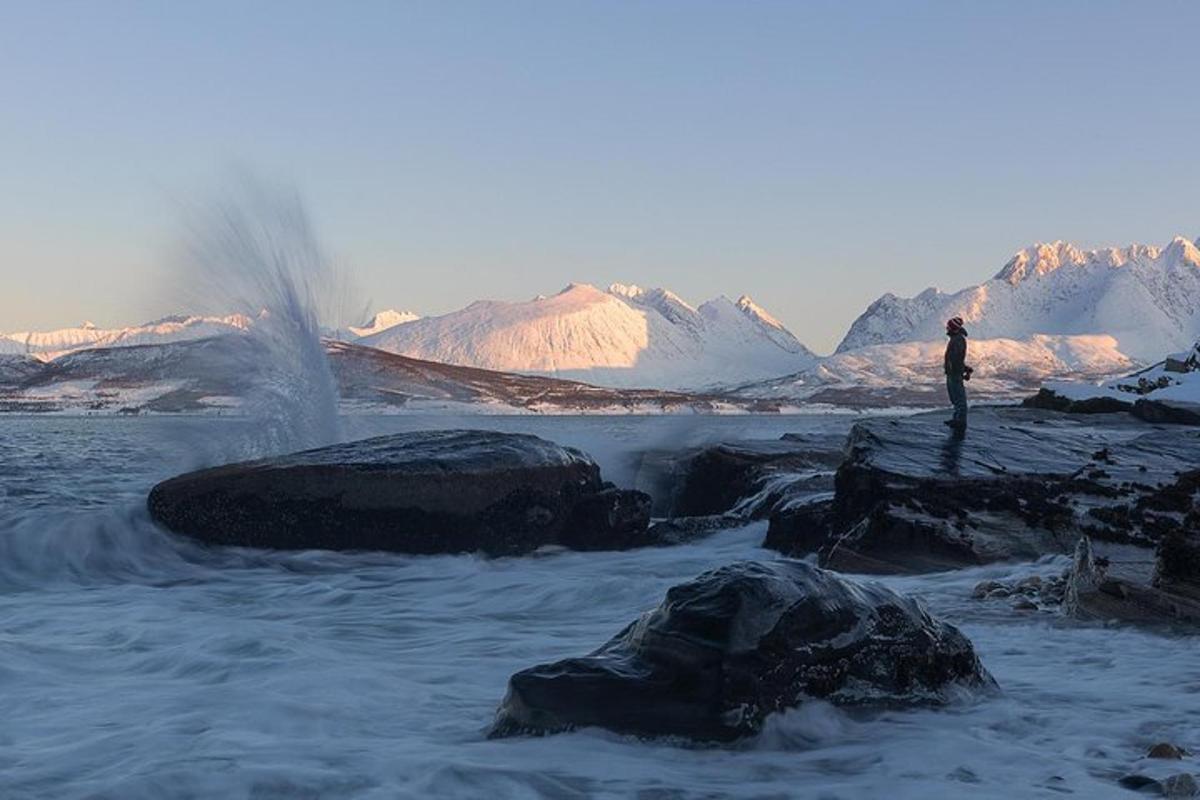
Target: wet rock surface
429, 492
1031, 593
736, 644
1022, 483
750, 479
1163, 590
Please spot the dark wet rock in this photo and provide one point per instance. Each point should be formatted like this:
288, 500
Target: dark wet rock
1181, 785
682, 530
1147, 409
1048, 400
1030, 585
429, 492
1128, 590
1169, 413
752, 478
1022, 483
1165, 750
1177, 562
985, 588
1140, 783
1031, 593
727, 649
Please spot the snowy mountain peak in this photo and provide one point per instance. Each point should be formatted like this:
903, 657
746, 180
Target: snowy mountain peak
382, 321
664, 301
1181, 251
1040, 259
757, 313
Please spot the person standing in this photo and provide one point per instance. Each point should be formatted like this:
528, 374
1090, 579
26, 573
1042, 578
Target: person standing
957, 372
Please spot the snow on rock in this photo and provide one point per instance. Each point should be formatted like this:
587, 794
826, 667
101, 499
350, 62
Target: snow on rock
1145, 297
625, 336
1174, 380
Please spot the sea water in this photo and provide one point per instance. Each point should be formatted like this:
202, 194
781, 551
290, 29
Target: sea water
135, 664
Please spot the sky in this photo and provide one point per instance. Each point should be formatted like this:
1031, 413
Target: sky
813, 155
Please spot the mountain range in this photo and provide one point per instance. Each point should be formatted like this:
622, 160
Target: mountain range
1147, 298
624, 336
1054, 311
180, 328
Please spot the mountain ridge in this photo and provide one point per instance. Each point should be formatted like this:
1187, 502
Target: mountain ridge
624, 336
1147, 297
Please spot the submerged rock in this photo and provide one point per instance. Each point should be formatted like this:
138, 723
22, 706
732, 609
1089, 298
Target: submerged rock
741, 642
429, 492
1022, 483
1165, 750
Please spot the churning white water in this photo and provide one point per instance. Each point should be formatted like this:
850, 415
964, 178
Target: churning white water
134, 664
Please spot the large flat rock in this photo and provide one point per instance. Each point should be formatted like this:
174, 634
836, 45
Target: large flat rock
428, 492
913, 496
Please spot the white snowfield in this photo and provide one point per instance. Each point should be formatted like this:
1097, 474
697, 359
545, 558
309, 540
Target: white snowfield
52, 344
1147, 298
625, 336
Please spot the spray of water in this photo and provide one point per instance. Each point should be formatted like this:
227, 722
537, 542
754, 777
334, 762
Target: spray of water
251, 248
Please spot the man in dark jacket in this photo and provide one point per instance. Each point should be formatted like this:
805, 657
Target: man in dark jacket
957, 372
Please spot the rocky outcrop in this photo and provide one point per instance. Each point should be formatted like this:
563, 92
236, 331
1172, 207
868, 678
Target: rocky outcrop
1128, 590
727, 649
1149, 410
1168, 413
1049, 400
750, 479
429, 492
913, 497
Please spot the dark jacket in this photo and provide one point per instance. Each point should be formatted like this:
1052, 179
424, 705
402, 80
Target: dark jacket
956, 354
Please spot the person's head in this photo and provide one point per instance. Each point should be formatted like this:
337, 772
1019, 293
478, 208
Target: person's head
954, 326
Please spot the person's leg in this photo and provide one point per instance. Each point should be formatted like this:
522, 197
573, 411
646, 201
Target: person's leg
960, 413
958, 398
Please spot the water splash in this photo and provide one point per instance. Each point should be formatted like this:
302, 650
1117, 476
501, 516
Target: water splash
252, 248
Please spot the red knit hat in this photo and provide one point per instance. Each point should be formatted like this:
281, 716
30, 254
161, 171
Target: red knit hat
954, 325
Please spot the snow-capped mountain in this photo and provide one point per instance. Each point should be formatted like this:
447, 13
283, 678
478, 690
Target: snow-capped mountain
910, 373
623, 336
50, 344
382, 321
1147, 298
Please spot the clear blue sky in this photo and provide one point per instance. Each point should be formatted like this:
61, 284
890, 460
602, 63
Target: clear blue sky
811, 154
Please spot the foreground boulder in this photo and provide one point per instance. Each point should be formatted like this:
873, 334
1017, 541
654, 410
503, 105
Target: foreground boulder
428, 492
912, 496
736, 644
